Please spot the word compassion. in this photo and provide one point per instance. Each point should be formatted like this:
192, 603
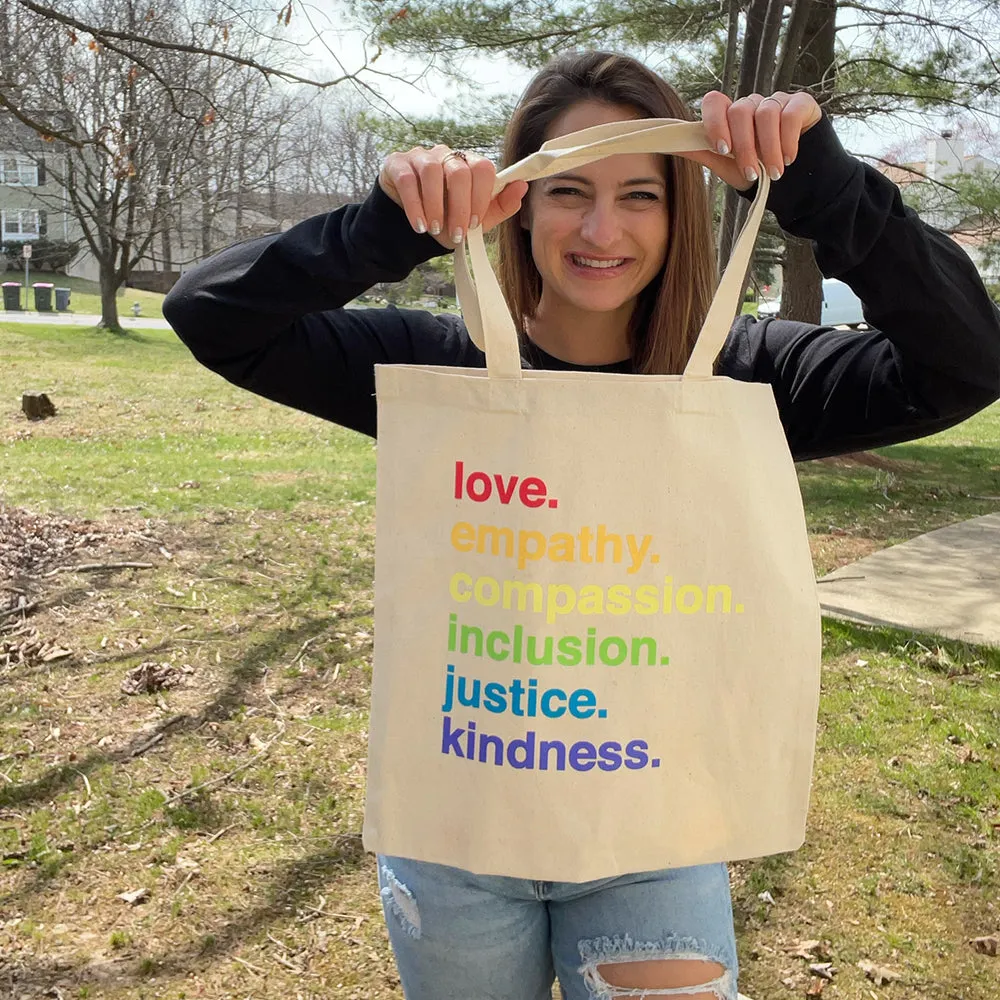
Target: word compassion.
481, 486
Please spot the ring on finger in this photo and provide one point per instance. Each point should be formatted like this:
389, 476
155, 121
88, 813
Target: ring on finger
457, 154
773, 100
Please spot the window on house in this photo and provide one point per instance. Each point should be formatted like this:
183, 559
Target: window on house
19, 172
21, 224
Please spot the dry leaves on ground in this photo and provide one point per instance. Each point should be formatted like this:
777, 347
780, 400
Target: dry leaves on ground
33, 543
989, 945
150, 676
878, 974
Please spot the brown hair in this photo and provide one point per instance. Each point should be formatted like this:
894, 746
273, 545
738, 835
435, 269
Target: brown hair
672, 307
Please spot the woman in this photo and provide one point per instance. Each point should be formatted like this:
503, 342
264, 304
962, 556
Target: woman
610, 269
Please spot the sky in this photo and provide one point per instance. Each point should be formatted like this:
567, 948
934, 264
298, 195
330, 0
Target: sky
410, 88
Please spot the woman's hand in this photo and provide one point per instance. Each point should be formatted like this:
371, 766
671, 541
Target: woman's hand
754, 128
446, 192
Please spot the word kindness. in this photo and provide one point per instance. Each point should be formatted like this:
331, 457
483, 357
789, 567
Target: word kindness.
529, 752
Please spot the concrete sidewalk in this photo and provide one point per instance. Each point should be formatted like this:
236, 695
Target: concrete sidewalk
946, 582
76, 319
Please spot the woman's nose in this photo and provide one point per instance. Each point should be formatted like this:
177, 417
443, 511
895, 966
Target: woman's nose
601, 227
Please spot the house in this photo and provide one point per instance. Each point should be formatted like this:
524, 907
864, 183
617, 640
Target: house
32, 201
945, 158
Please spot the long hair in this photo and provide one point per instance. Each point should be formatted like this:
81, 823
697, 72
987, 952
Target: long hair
671, 308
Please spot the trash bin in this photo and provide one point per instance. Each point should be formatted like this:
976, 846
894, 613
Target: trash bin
43, 296
62, 299
12, 295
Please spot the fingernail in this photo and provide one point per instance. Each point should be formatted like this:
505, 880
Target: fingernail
456, 236
723, 148
774, 173
435, 227
788, 161
749, 173
473, 222
421, 226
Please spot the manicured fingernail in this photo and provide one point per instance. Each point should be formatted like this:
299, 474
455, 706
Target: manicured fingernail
456, 236
421, 226
788, 161
435, 227
723, 148
473, 222
749, 173
774, 173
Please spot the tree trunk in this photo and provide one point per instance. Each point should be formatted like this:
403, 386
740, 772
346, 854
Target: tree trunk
793, 41
802, 292
802, 289
749, 58
109, 298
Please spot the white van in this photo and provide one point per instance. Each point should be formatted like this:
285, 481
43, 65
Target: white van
841, 307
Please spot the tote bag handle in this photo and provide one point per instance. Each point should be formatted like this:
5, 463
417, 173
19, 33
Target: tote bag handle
482, 303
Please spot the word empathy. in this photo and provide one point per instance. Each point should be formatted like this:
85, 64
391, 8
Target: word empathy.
518, 698
556, 599
531, 753
545, 650
586, 546
481, 486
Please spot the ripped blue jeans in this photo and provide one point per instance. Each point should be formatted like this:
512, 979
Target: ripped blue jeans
460, 936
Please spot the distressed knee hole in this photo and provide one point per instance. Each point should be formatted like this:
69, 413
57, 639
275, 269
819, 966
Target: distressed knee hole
400, 902
665, 976
619, 967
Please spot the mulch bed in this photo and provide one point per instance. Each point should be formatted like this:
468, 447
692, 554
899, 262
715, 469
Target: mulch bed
34, 544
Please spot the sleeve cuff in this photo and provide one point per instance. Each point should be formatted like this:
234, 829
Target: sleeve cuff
822, 169
380, 223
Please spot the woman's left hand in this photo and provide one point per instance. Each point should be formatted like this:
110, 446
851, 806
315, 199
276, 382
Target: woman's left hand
753, 129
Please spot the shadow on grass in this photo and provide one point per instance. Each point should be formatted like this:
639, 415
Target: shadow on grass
295, 882
226, 700
841, 637
935, 483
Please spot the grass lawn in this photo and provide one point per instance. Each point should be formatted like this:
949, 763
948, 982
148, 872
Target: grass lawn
85, 299
235, 798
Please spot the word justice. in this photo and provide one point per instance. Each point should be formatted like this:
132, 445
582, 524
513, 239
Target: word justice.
518, 698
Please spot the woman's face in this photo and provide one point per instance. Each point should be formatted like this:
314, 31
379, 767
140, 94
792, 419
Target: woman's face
599, 233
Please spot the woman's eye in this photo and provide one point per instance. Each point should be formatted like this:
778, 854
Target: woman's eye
642, 196
565, 191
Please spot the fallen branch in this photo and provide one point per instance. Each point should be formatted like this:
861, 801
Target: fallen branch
181, 607
250, 966
94, 567
21, 608
142, 748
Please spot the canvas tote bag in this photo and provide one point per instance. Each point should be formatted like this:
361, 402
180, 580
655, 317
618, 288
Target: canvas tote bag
597, 635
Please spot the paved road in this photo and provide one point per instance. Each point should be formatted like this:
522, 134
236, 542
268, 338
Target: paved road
76, 319
946, 582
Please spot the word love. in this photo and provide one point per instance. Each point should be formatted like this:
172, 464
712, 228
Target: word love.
480, 487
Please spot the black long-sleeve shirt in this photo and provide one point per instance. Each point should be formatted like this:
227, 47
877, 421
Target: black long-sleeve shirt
268, 315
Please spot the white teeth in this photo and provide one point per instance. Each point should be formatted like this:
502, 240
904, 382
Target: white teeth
590, 262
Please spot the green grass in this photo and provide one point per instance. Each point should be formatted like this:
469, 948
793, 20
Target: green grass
85, 298
949, 477
242, 820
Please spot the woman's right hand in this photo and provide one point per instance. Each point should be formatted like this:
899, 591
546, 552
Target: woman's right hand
446, 193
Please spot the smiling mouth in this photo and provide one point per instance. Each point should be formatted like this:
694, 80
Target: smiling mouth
597, 263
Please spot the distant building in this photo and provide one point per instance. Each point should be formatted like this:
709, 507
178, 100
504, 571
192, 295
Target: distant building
946, 157
33, 204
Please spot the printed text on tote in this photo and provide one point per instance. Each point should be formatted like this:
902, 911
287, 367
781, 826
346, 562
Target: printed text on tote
481, 486
556, 691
